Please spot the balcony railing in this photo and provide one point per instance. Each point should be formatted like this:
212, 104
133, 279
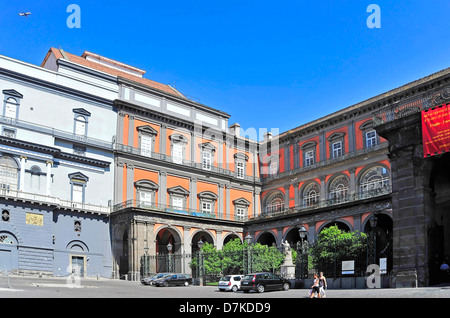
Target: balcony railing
326, 203
50, 200
323, 163
399, 110
56, 132
157, 207
184, 162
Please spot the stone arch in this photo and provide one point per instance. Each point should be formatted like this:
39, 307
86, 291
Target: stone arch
292, 235
77, 245
338, 188
267, 238
341, 224
205, 236
309, 194
372, 180
231, 236
273, 201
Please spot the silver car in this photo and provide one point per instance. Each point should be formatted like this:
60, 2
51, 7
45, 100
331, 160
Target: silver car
230, 283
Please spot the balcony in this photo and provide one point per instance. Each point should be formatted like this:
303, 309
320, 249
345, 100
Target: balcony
156, 207
56, 133
54, 201
319, 204
186, 163
323, 163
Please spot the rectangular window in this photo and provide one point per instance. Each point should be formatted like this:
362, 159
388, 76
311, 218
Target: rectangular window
177, 203
80, 126
240, 170
177, 153
309, 158
337, 149
206, 162
77, 193
145, 198
206, 207
240, 214
10, 108
146, 145
371, 139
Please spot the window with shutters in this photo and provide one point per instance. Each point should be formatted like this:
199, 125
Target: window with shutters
81, 117
178, 153
206, 160
146, 145
146, 193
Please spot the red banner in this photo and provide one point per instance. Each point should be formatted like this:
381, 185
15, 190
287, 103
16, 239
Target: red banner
436, 130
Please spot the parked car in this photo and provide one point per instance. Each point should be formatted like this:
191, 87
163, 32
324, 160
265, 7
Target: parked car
173, 280
230, 282
150, 279
261, 282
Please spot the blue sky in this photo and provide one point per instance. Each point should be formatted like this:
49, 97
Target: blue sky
269, 64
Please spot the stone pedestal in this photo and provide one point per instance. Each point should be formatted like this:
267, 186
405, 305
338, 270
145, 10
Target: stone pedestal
288, 271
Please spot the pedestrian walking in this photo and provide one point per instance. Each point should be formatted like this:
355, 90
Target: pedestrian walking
315, 287
322, 285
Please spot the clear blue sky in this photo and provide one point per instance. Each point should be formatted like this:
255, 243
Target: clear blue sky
269, 64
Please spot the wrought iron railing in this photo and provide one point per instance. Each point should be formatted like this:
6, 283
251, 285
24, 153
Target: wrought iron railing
362, 195
323, 163
183, 162
46, 199
158, 207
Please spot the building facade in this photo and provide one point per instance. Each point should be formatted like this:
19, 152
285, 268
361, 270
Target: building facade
104, 169
182, 175
57, 168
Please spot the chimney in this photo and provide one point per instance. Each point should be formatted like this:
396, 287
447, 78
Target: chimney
235, 129
268, 136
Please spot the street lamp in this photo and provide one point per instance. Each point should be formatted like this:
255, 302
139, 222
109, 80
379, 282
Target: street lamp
373, 222
145, 262
169, 248
303, 245
373, 240
200, 261
302, 232
249, 240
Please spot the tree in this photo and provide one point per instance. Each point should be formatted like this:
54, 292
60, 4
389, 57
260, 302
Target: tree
233, 258
334, 246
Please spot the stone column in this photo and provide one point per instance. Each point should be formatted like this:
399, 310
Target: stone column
49, 178
411, 200
23, 160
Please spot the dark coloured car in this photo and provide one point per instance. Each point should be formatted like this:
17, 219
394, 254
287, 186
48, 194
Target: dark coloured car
149, 280
262, 282
173, 280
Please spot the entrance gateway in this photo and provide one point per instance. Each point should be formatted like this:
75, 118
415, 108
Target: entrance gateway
420, 190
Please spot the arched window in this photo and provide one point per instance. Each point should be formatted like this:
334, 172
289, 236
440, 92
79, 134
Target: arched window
311, 195
275, 203
9, 174
374, 182
80, 126
339, 190
11, 105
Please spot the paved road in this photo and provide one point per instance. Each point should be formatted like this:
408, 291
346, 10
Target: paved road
35, 294
22, 287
